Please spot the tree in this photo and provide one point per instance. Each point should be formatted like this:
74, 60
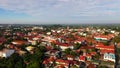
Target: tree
41, 48
74, 66
77, 46
27, 57
106, 43
19, 64
116, 39
1, 47
102, 66
67, 51
73, 53
106, 33
15, 61
96, 57
88, 51
35, 60
54, 46
118, 50
33, 64
3, 63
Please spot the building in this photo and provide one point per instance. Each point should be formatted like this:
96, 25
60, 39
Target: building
65, 46
109, 57
6, 52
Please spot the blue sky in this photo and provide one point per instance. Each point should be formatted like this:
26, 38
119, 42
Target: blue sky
59, 11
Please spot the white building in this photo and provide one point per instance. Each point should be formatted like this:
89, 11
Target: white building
65, 46
29, 48
109, 57
6, 52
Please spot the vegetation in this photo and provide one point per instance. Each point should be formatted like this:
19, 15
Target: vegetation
77, 46
74, 66
116, 39
70, 52
26, 61
102, 66
35, 58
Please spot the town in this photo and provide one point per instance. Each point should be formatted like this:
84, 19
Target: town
59, 46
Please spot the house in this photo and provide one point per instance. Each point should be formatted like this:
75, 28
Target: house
82, 58
6, 52
19, 42
78, 41
109, 57
70, 57
54, 53
88, 57
60, 66
30, 48
102, 37
11, 46
48, 48
85, 48
45, 63
111, 47
21, 52
2, 40
48, 61
91, 66
101, 46
65, 63
64, 46
33, 42
36, 37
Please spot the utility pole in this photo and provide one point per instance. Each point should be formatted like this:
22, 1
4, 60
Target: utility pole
116, 55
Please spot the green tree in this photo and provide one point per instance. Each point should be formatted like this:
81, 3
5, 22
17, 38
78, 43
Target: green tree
15, 61
67, 51
74, 66
41, 48
102, 66
96, 57
77, 46
3, 63
116, 39
73, 53
1, 47
33, 64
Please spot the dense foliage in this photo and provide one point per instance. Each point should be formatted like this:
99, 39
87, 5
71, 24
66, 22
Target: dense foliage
26, 61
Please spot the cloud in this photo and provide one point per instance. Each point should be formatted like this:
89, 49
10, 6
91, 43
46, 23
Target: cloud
63, 7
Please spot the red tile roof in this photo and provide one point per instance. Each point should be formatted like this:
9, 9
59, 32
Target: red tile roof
63, 44
19, 42
48, 60
82, 57
48, 47
93, 53
88, 55
91, 66
70, 56
86, 47
103, 36
60, 66
45, 62
64, 61
105, 47
100, 44
106, 51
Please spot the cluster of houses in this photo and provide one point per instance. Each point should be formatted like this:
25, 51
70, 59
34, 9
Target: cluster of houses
89, 42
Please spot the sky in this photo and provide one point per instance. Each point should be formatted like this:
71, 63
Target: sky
59, 11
